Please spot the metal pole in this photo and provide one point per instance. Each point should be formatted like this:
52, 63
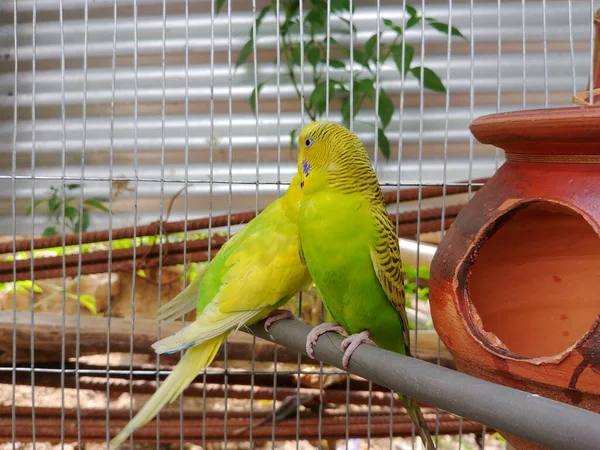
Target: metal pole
546, 422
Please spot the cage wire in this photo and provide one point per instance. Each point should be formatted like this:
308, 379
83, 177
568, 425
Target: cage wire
125, 118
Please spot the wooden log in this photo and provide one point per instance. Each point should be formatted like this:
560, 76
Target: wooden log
48, 337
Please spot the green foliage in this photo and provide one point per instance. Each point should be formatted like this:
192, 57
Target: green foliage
353, 97
21, 287
498, 436
26, 287
75, 218
411, 288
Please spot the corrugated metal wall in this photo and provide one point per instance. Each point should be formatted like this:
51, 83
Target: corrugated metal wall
544, 64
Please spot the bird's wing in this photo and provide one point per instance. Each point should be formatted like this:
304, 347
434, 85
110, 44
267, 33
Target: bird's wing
385, 256
255, 275
183, 302
264, 270
187, 300
262, 278
301, 252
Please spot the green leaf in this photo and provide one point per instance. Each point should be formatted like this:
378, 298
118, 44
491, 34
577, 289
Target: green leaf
315, 20
35, 205
318, 98
89, 302
54, 203
444, 28
71, 213
497, 435
296, 57
244, 53
293, 142
383, 143
332, 41
347, 22
291, 9
366, 87
96, 204
386, 108
388, 23
359, 57
140, 273
253, 96
412, 12
430, 79
370, 46
346, 111
340, 5
72, 186
219, 5
424, 272
82, 223
337, 64
50, 231
260, 18
27, 284
409, 274
314, 55
408, 56
412, 22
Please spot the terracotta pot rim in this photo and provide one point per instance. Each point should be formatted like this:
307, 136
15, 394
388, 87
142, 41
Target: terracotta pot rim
551, 126
462, 292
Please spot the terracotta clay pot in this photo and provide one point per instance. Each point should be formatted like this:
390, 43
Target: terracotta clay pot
515, 282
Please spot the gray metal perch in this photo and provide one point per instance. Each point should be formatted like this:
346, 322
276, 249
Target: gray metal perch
546, 422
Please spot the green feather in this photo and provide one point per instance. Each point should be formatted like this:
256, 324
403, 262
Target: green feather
350, 245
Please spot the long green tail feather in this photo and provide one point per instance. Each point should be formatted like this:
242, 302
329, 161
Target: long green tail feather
414, 412
194, 360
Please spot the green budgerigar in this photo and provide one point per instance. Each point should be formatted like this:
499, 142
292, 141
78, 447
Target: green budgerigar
351, 249
257, 271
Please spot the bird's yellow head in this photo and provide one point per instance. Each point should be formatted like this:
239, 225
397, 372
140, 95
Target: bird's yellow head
294, 191
292, 197
328, 152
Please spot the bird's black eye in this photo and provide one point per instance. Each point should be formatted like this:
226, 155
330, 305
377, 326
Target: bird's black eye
308, 142
301, 184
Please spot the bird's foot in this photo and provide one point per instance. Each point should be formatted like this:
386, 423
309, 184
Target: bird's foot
316, 332
352, 342
276, 316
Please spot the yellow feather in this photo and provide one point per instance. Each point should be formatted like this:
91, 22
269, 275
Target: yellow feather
253, 274
195, 359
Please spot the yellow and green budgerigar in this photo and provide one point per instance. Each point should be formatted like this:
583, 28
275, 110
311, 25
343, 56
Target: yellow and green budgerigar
257, 271
351, 248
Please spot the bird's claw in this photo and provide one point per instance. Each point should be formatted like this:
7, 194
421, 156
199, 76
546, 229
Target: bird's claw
352, 342
316, 332
276, 316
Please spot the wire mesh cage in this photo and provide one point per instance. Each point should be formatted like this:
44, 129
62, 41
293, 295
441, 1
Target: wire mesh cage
139, 135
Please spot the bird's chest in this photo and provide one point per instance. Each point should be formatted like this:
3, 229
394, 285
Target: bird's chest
336, 231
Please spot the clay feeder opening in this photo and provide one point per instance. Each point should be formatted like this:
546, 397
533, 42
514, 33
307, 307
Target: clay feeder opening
533, 282
515, 282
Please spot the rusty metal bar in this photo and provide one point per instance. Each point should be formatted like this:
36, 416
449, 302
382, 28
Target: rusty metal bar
24, 245
147, 255
379, 397
408, 195
333, 425
202, 223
